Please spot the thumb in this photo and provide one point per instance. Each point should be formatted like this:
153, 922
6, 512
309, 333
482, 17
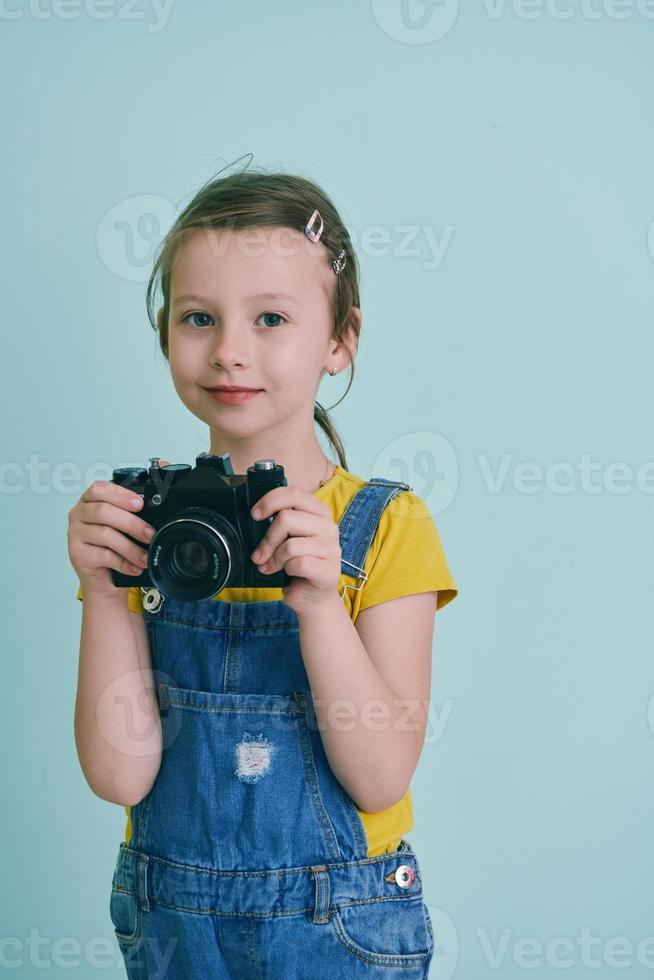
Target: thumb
164, 462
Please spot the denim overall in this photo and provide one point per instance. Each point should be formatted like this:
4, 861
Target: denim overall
248, 859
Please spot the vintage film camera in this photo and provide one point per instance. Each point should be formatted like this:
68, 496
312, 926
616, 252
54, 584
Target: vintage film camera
204, 531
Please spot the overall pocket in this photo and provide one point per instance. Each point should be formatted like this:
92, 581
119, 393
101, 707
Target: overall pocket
385, 932
125, 914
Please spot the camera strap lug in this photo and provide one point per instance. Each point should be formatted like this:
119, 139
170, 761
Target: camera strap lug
152, 600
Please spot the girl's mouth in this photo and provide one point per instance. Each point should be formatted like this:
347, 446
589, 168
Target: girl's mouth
232, 397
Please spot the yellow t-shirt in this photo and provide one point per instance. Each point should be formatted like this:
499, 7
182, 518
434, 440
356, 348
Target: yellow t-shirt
406, 556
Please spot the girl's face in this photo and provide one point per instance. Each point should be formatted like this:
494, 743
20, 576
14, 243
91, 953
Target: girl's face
252, 308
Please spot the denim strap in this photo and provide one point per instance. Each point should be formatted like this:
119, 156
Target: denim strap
359, 521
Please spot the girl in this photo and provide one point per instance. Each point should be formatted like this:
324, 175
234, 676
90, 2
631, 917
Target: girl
263, 740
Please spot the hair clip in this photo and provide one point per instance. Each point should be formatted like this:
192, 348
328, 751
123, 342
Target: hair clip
314, 235
339, 262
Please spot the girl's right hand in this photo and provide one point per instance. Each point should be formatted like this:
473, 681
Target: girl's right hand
97, 542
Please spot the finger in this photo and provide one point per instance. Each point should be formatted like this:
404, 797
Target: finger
296, 548
293, 496
308, 566
113, 493
287, 523
103, 536
117, 516
106, 558
98, 557
125, 566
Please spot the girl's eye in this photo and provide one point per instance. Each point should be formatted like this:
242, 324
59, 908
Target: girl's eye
273, 314
196, 314
189, 315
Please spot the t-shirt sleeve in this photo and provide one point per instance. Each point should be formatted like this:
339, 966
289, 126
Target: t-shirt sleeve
133, 599
406, 555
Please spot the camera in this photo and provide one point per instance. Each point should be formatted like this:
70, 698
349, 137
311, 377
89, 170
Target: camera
204, 531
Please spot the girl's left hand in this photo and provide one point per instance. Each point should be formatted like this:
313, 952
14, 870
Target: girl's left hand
303, 539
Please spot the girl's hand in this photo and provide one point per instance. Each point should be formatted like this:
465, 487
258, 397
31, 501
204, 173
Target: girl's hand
96, 542
303, 539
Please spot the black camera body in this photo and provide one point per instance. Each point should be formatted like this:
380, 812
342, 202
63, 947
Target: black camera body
204, 531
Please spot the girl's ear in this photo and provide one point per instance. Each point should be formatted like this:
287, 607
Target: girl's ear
356, 318
350, 339
351, 336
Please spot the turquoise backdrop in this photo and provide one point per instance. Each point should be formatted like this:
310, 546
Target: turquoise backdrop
493, 161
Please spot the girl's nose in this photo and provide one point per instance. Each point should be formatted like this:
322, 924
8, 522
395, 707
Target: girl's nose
230, 348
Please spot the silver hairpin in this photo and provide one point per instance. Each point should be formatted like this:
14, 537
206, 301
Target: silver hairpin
339, 262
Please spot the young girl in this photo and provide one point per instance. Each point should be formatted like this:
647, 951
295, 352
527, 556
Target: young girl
263, 740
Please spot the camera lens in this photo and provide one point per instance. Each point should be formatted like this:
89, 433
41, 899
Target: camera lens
193, 557
189, 559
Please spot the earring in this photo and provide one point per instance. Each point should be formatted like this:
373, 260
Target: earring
333, 372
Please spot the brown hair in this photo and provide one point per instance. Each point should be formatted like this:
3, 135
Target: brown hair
259, 199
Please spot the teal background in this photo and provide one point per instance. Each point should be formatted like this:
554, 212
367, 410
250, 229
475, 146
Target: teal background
524, 141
